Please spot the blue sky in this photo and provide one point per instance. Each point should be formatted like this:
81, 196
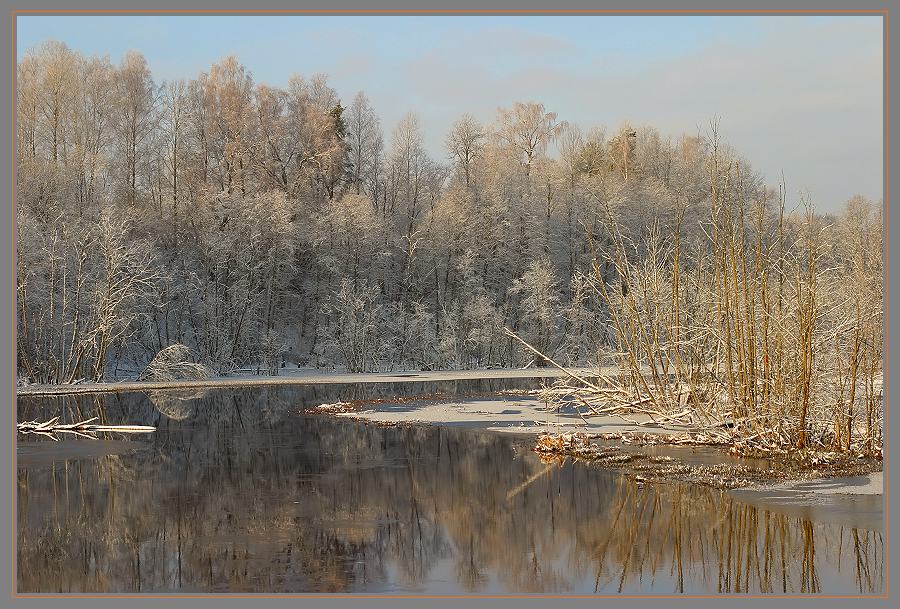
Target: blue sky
802, 95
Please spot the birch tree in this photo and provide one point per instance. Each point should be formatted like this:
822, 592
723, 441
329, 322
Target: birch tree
527, 128
465, 142
137, 99
365, 142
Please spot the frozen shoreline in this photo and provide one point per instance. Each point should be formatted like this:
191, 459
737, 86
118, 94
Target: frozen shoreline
506, 413
528, 415
300, 377
511, 413
870, 484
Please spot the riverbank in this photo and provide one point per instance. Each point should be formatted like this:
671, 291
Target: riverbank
296, 377
648, 452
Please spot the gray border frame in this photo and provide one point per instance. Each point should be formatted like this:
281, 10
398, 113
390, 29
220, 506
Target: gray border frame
645, 6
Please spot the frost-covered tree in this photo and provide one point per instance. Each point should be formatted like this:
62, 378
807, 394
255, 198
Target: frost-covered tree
527, 128
351, 239
236, 212
81, 290
364, 143
538, 292
356, 327
465, 142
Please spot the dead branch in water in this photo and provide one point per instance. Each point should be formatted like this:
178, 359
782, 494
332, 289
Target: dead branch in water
86, 428
562, 368
609, 399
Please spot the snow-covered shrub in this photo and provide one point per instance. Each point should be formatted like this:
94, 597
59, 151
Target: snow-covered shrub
271, 349
538, 292
355, 337
172, 364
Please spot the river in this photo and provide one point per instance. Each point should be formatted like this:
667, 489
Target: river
250, 490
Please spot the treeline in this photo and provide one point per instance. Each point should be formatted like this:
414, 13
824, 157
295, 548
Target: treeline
254, 223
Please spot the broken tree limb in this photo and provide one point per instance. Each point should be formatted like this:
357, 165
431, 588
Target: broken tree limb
562, 368
86, 428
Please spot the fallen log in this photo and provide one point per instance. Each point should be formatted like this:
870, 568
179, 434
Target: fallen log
86, 428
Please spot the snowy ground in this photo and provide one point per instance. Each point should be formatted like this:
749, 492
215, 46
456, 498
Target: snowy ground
513, 413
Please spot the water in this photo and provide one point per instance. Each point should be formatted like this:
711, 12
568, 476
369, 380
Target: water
243, 491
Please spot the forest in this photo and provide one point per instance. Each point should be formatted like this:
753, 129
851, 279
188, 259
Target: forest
256, 225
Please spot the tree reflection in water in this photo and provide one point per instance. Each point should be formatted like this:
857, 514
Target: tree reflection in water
238, 492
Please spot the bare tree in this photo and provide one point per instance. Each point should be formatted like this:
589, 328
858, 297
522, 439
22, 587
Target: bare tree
528, 128
465, 141
622, 150
365, 142
227, 95
138, 96
174, 127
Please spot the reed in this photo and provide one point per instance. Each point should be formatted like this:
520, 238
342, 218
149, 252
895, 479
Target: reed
765, 333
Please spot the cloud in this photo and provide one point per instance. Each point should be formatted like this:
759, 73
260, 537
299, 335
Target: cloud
800, 96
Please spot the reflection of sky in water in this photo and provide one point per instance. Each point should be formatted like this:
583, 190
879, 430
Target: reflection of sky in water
246, 494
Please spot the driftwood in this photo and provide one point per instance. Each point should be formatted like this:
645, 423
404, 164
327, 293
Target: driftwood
86, 428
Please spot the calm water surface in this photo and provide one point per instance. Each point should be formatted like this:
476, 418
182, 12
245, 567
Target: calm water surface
247, 491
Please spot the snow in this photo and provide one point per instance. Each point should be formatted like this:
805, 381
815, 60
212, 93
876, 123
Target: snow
871, 484
300, 376
515, 414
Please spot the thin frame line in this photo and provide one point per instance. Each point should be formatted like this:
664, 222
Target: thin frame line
884, 12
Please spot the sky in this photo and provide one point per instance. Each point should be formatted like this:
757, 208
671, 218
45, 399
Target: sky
794, 95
